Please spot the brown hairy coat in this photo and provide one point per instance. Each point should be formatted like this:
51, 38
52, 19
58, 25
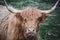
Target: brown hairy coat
17, 23
22, 24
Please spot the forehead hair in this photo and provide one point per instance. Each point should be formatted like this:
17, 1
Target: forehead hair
31, 13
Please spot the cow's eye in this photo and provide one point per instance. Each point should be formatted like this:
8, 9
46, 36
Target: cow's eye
25, 20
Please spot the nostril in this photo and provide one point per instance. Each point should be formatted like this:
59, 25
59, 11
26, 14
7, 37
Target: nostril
28, 30
33, 30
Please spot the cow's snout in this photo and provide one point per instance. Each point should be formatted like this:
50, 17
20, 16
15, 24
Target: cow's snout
30, 30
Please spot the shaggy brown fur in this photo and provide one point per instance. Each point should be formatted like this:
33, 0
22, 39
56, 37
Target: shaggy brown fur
16, 24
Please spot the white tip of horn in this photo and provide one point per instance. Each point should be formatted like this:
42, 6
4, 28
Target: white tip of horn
52, 9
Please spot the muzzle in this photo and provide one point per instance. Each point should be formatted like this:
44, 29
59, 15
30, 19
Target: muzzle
30, 32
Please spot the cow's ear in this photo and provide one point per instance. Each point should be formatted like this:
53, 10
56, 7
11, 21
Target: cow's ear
44, 16
18, 16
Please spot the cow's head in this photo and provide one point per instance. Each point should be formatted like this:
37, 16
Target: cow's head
28, 20
31, 19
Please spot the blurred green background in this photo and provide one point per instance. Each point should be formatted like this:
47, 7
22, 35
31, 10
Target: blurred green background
50, 29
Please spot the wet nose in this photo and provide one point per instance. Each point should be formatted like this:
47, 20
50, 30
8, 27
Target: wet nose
30, 30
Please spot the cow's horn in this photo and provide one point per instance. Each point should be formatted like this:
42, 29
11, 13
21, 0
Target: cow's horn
11, 9
52, 9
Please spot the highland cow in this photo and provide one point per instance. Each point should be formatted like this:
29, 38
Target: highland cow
23, 24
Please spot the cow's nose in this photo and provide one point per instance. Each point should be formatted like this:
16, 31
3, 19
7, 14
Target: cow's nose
30, 30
